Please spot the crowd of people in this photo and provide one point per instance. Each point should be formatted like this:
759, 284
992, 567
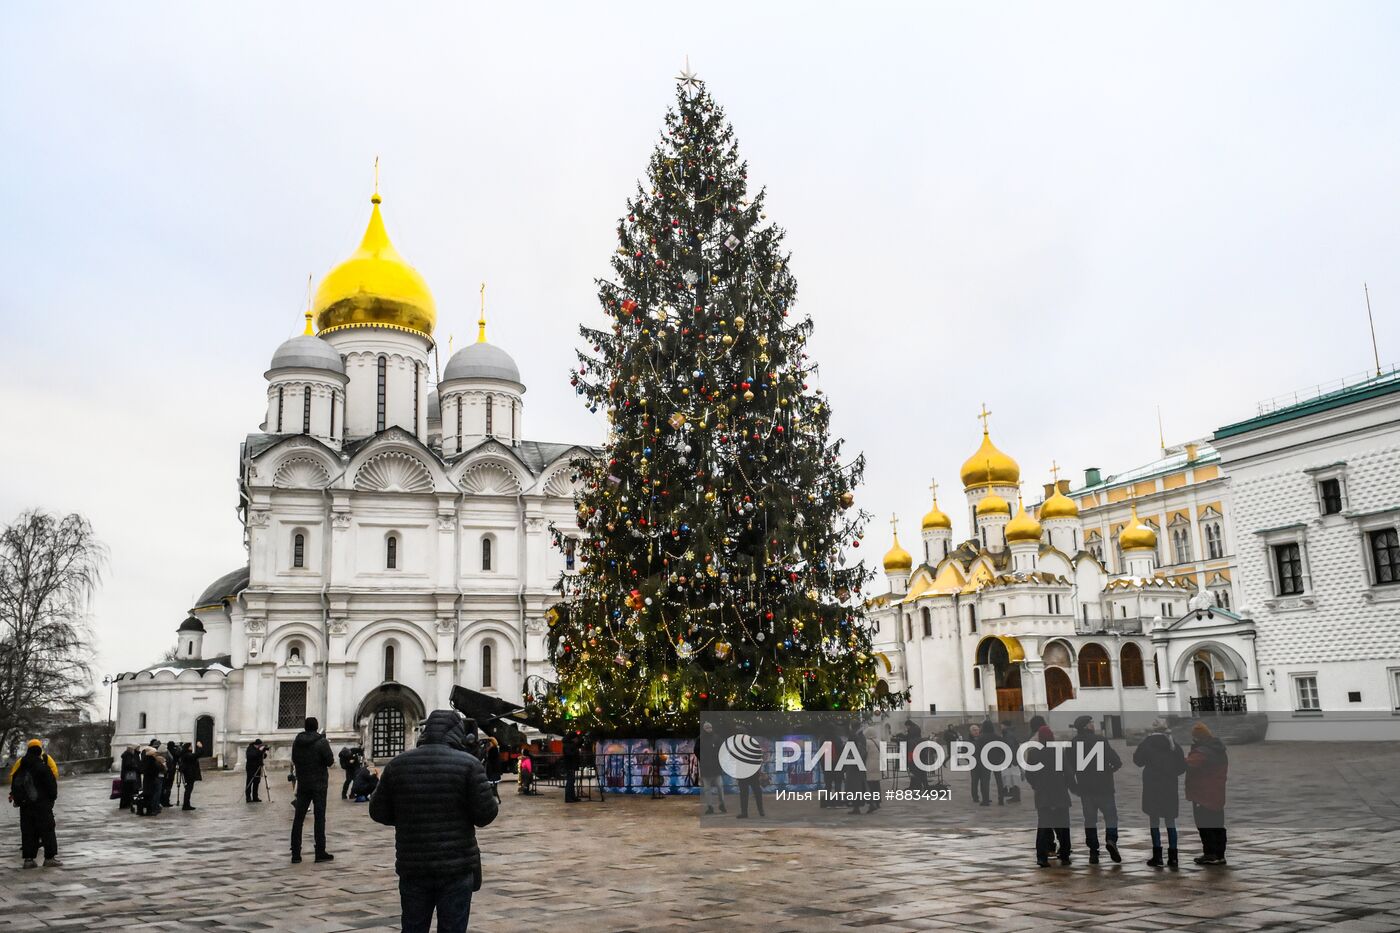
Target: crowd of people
150, 774
437, 794
854, 782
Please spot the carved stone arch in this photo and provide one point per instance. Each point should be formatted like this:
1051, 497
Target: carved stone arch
301, 473
304, 632
561, 484
394, 471
495, 628
490, 478
409, 630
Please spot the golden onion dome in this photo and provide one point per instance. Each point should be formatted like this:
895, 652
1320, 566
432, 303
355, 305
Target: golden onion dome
1023, 527
375, 287
993, 504
1058, 505
898, 560
1137, 535
989, 467
936, 518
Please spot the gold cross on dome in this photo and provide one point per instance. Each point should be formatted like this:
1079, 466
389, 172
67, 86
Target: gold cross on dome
984, 415
1055, 472
894, 524
933, 488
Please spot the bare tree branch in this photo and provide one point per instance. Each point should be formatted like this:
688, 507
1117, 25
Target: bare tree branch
49, 569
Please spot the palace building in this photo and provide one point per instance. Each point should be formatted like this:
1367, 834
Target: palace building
397, 532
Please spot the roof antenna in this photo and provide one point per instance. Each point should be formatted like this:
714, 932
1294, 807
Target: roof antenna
1161, 435
1376, 353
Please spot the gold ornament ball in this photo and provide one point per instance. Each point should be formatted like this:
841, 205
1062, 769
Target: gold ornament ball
748, 395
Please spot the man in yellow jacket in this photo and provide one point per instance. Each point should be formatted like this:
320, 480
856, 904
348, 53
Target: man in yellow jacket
33, 789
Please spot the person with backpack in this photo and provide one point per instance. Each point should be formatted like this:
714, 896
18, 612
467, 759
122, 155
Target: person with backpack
311, 763
33, 789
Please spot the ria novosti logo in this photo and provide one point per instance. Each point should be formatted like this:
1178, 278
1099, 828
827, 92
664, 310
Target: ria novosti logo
741, 756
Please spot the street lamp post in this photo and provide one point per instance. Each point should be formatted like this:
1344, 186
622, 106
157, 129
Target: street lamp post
110, 683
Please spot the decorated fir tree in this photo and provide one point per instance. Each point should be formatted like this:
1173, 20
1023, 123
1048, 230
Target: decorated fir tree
713, 574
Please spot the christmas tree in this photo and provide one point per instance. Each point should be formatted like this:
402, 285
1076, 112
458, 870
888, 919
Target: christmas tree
718, 514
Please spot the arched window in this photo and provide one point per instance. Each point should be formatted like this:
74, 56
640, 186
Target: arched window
490, 414
977, 678
459, 423
1132, 666
391, 552
306, 410
909, 628
486, 553
972, 618
294, 653
928, 622
299, 550
389, 661
1222, 598
417, 377
382, 394
141, 721
335, 396
1215, 546
1181, 544
514, 410
1094, 668
487, 673
570, 546
281, 399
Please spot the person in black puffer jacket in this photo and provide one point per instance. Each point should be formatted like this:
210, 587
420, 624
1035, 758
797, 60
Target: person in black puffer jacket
435, 796
311, 760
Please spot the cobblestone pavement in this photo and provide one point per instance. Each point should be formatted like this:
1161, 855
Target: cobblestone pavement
637, 864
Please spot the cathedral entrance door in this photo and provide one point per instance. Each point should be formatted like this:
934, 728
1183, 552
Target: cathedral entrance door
386, 733
204, 732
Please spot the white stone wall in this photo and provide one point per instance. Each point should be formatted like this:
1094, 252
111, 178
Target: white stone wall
1342, 629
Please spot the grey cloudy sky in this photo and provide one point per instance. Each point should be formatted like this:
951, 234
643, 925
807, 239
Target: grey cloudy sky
1072, 212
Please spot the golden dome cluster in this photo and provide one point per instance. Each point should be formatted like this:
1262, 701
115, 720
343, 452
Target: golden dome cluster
1137, 535
375, 287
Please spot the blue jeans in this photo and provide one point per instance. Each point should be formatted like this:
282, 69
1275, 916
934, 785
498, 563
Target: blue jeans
450, 897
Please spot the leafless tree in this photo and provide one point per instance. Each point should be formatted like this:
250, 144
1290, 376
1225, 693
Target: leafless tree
49, 568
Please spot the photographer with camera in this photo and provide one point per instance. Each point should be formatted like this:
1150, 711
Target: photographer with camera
435, 796
351, 760
253, 760
311, 763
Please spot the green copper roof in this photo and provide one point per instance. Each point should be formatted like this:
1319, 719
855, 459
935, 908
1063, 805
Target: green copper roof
1383, 384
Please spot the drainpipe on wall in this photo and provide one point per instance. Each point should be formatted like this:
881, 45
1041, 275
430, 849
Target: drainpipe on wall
326, 599
957, 627
461, 594
522, 556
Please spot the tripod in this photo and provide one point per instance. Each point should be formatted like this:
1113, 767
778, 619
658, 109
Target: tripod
267, 786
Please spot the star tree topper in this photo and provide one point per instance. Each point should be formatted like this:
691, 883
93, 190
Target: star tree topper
688, 78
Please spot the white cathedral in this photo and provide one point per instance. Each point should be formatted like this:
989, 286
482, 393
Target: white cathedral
1024, 615
398, 536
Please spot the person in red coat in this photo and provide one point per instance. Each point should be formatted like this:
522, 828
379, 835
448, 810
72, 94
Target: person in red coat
1207, 767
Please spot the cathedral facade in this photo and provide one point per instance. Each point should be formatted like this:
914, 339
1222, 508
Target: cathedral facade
398, 535
1028, 613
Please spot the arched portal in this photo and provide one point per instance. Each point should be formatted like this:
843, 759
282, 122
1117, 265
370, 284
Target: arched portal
386, 717
1058, 687
204, 733
1003, 654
